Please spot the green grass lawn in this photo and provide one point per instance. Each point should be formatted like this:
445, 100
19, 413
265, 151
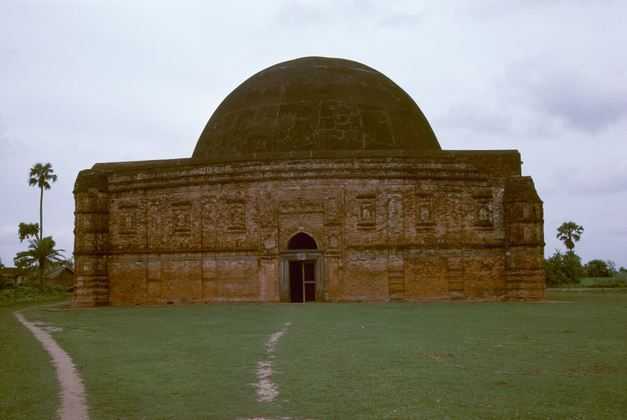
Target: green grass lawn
28, 387
616, 281
29, 294
439, 360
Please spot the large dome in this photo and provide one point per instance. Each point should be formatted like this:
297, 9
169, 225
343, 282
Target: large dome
315, 106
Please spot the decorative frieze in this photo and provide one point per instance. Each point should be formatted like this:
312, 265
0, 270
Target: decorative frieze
395, 218
181, 216
367, 228
127, 219
301, 204
332, 210
425, 217
484, 213
367, 211
236, 216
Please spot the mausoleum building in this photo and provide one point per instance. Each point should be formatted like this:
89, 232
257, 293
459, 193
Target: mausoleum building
317, 179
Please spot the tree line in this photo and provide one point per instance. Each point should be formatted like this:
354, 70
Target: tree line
41, 253
567, 268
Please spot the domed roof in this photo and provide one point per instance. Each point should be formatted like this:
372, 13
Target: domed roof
315, 106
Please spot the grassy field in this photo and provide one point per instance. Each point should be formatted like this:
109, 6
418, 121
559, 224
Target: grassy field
616, 281
31, 295
440, 360
28, 387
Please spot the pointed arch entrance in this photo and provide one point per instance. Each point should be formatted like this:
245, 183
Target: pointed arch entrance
301, 241
301, 272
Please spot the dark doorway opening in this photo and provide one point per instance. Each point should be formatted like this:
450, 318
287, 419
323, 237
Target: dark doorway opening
302, 271
302, 241
303, 281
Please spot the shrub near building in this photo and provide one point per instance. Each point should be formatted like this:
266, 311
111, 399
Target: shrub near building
598, 268
563, 269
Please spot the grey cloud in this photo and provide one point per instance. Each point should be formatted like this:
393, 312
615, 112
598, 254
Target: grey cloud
401, 20
595, 180
582, 106
618, 231
298, 13
575, 100
345, 13
8, 240
475, 119
596, 184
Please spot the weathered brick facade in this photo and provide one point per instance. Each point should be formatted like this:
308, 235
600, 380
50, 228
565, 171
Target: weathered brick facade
389, 222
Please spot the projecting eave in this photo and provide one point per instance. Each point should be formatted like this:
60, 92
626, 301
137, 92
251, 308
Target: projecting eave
139, 164
499, 163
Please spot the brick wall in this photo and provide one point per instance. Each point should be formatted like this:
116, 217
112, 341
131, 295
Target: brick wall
435, 227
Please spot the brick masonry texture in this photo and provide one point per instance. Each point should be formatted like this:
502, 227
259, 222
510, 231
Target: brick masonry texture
395, 228
325, 147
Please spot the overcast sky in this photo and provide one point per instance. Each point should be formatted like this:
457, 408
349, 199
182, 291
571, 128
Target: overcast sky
91, 81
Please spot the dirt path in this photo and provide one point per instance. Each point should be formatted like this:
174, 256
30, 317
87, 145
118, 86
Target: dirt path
267, 391
73, 405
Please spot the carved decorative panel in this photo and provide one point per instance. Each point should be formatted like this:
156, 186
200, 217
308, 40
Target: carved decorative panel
333, 240
367, 207
395, 216
269, 240
266, 216
332, 211
484, 215
301, 205
128, 220
182, 219
236, 216
155, 223
425, 217
208, 222
483, 211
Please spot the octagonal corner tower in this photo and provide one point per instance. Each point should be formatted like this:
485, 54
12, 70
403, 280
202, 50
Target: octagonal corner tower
317, 179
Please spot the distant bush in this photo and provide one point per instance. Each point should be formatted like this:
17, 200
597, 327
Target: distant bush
6, 281
597, 268
563, 269
30, 294
610, 282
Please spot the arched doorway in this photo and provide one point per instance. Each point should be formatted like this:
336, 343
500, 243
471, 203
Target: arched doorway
302, 272
301, 241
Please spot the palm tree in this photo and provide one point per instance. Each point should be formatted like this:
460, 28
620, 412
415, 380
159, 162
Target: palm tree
27, 231
41, 175
40, 254
569, 233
